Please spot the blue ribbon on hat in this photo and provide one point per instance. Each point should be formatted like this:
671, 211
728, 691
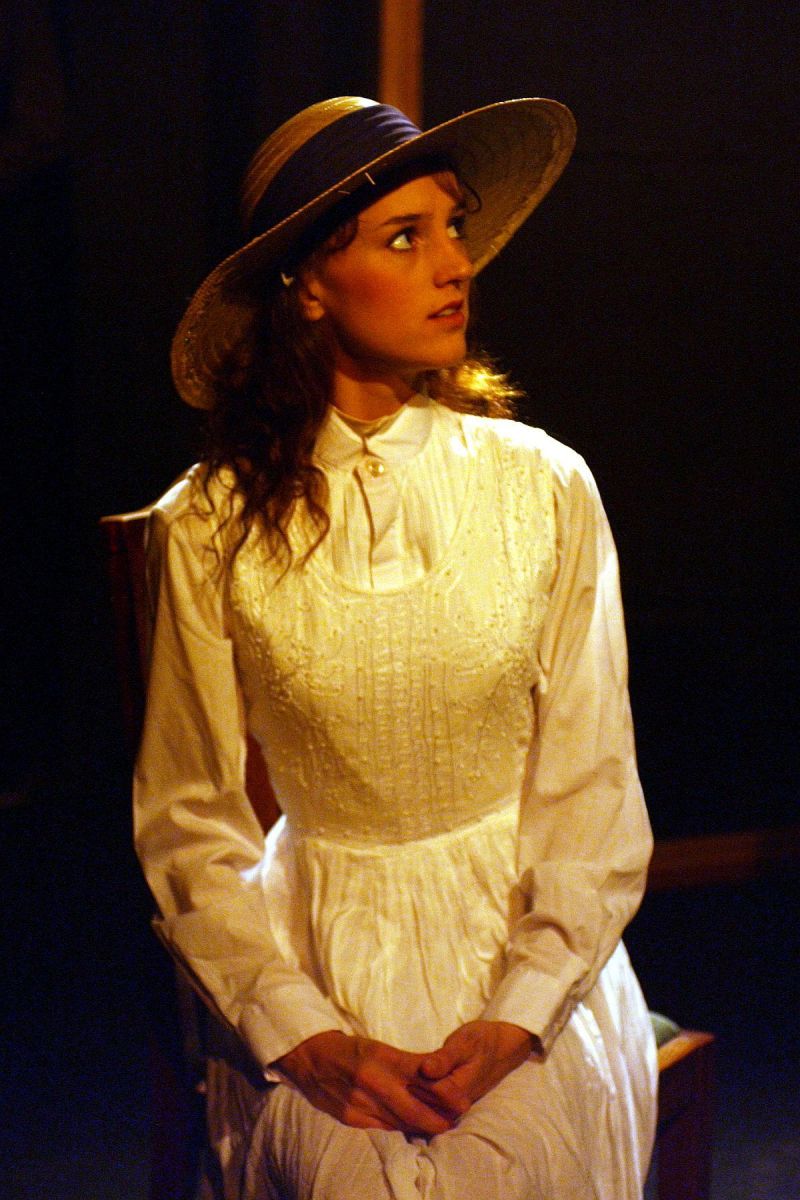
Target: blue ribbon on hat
339, 150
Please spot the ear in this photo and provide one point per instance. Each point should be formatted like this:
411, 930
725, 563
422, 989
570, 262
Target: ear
309, 291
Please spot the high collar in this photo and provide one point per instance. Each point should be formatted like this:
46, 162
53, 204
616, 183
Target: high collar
342, 447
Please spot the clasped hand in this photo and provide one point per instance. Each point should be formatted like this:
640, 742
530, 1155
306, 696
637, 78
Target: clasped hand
370, 1085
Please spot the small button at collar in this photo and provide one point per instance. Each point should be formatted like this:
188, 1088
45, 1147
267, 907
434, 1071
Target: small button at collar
374, 467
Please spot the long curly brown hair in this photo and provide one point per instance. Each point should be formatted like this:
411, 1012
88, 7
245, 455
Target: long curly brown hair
273, 391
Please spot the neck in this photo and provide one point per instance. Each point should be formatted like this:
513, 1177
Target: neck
367, 397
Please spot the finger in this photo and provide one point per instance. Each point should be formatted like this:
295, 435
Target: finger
459, 1047
469, 1079
361, 1120
396, 1103
380, 1088
363, 1110
442, 1095
418, 1117
443, 1061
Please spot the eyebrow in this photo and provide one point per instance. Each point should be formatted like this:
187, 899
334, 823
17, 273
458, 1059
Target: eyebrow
404, 219
411, 218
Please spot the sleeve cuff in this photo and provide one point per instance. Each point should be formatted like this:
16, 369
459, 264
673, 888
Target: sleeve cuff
534, 1001
295, 1014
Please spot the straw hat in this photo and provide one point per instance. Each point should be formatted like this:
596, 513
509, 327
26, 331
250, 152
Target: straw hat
510, 153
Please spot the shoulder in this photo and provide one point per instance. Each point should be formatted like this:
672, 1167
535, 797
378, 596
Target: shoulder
535, 468
528, 446
196, 506
195, 495
194, 518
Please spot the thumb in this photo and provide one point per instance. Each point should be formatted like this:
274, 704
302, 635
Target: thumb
442, 1061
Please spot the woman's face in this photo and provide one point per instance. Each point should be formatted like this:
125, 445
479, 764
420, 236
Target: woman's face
396, 297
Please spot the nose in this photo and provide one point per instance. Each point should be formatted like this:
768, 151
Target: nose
453, 262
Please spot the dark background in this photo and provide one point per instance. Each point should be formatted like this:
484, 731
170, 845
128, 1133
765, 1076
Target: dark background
648, 308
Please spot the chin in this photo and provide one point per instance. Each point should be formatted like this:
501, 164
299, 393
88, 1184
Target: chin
444, 362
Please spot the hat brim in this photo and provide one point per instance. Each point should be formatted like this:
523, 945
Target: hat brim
511, 153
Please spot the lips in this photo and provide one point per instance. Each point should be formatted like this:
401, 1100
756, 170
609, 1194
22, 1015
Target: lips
454, 309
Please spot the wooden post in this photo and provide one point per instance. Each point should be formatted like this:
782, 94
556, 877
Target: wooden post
400, 71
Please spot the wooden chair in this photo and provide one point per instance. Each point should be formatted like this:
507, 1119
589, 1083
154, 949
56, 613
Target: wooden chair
685, 1057
684, 1135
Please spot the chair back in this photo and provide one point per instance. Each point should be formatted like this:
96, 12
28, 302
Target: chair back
126, 541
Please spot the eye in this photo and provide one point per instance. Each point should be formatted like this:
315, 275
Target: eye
403, 239
457, 228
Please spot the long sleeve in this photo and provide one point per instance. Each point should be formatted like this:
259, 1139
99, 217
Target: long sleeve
584, 837
196, 835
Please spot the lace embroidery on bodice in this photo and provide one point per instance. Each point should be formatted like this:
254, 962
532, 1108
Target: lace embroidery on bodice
390, 716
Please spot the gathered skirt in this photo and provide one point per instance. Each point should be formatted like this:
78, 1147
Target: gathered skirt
408, 943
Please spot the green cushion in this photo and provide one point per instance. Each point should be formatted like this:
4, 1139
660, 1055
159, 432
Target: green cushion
663, 1028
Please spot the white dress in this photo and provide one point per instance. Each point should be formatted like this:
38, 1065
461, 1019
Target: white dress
440, 693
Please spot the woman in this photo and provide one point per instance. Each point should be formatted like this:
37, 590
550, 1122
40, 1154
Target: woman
412, 603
